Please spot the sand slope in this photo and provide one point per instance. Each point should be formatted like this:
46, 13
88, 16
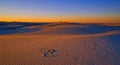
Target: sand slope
81, 46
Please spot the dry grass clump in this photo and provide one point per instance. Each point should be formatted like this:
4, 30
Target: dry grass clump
47, 52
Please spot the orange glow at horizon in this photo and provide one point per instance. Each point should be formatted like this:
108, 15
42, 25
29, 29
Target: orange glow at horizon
65, 19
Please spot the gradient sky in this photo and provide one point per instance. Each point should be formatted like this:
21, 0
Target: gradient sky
60, 10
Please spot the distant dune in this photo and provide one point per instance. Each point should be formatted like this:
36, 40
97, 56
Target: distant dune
56, 28
59, 44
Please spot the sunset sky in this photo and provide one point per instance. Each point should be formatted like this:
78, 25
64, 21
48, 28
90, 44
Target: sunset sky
60, 10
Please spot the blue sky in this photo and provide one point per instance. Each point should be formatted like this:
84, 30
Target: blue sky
59, 8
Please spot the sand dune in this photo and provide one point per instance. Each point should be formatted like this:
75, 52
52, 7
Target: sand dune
59, 44
56, 28
14, 28
77, 29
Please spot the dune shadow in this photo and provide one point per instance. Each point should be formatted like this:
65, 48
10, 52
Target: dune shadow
76, 28
19, 27
55, 28
94, 29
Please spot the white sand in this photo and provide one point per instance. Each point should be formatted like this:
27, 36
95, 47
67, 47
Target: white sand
71, 49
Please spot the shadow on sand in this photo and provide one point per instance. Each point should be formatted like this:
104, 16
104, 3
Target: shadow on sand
18, 27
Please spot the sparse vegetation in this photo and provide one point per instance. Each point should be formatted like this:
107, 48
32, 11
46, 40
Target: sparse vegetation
47, 52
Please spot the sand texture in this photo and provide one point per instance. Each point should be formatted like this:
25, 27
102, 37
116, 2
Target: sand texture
59, 44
